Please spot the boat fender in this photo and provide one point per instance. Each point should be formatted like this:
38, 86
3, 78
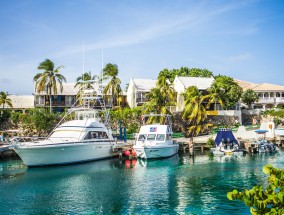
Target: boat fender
133, 152
127, 152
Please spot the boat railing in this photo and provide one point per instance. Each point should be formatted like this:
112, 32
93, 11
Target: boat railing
25, 139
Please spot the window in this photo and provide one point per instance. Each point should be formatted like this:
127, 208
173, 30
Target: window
151, 136
96, 135
160, 137
142, 137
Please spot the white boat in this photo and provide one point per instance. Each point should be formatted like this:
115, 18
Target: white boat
83, 139
156, 140
262, 145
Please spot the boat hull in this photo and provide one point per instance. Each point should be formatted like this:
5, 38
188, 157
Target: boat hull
148, 152
60, 154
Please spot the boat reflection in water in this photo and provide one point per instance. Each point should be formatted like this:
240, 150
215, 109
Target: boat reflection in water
173, 160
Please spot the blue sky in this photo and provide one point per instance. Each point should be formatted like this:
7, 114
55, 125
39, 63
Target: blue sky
240, 39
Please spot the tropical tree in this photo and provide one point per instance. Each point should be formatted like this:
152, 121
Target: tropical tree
113, 87
160, 99
4, 99
185, 72
249, 97
215, 96
47, 80
84, 82
194, 112
231, 91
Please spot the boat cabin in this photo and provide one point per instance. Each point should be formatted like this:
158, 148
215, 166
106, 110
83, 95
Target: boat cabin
155, 133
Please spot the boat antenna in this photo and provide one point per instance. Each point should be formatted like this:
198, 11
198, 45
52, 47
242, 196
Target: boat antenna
102, 70
83, 57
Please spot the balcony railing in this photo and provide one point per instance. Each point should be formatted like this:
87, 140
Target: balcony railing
265, 100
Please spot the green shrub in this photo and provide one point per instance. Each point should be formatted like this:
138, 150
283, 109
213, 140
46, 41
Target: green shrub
264, 201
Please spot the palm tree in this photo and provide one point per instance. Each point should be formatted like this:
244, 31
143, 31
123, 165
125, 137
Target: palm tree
47, 80
194, 112
83, 82
5, 100
113, 87
160, 98
215, 95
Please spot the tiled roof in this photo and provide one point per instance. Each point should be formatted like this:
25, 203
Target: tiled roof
21, 101
259, 87
268, 87
144, 84
245, 85
202, 83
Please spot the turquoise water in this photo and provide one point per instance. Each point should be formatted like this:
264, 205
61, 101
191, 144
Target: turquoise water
177, 185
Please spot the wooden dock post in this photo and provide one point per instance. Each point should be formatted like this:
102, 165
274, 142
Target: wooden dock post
191, 147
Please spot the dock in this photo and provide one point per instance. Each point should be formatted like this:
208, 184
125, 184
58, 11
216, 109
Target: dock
6, 150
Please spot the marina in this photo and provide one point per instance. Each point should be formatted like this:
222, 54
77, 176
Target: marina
180, 184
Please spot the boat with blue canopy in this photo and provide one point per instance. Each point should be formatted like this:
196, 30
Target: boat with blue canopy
226, 143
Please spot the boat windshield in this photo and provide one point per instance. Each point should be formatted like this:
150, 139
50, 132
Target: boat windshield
142, 137
160, 137
69, 134
151, 136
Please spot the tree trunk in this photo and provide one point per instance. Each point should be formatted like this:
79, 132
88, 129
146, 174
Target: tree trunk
50, 105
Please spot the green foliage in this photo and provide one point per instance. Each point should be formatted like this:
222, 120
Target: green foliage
4, 115
113, 87
194, 113
274, 113
231, 91
210, 142
129, 118
160, 98
82, 82
185, 72
44, 121
15, 117
249, 97
38, 121
47, 80
264, 201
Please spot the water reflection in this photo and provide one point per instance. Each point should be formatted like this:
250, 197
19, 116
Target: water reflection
179, 184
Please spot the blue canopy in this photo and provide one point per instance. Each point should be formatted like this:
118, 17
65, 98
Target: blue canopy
225, 133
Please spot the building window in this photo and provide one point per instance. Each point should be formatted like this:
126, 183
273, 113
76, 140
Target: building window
39, 100
69, 100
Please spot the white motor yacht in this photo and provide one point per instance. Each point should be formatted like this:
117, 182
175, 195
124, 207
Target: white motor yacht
83, 139
155, 140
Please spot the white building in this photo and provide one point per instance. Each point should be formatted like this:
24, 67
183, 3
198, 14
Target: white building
137, 89
182, 83
270, 95
20, 102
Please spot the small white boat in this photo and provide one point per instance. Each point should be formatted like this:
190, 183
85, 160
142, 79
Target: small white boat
156, 140
262, 145
84, 139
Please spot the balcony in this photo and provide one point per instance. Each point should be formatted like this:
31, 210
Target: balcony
279, 99
266, 100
